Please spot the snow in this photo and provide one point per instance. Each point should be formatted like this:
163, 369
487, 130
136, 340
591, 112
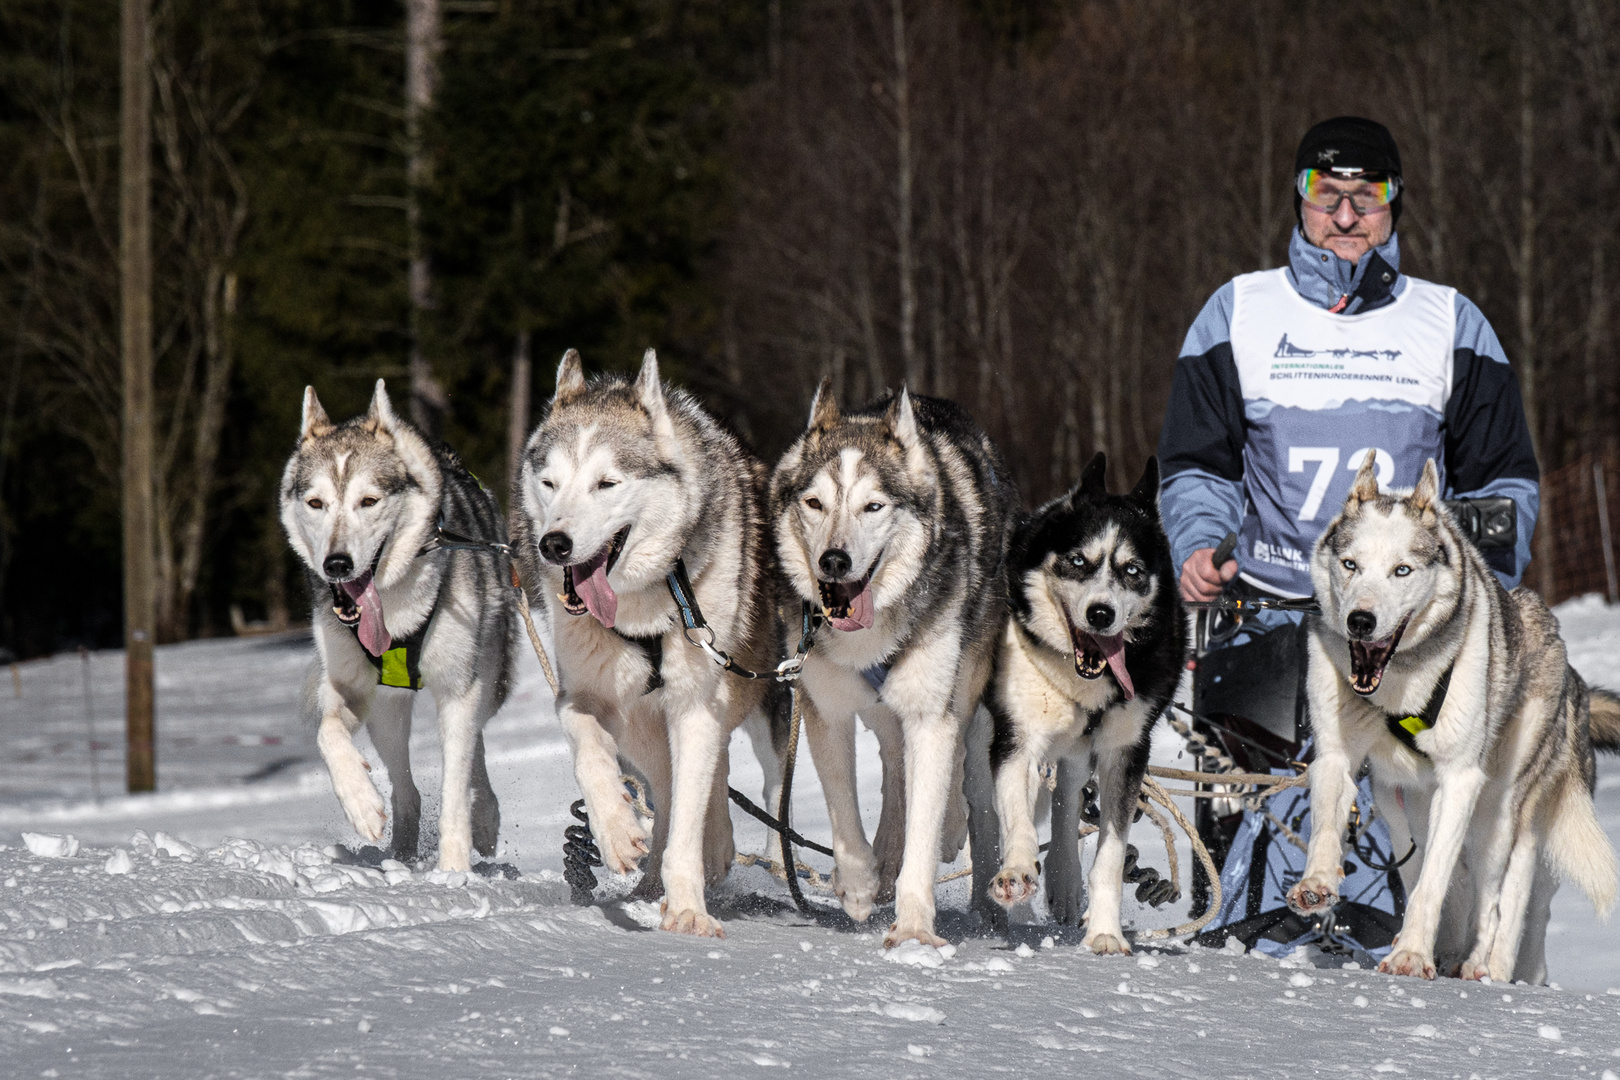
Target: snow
231, 925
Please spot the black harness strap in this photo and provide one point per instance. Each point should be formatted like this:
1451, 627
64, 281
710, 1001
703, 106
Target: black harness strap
652, 647
1406, 728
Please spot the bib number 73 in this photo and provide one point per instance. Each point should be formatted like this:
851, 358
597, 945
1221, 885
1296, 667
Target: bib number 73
1326, 459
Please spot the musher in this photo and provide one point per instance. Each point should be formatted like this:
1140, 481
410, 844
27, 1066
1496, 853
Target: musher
1287, 378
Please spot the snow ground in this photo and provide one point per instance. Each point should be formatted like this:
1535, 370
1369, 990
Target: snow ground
296, 953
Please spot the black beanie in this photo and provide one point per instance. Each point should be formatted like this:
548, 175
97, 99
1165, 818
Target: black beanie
1350, 142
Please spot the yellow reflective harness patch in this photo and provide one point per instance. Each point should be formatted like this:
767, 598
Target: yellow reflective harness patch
1407, 728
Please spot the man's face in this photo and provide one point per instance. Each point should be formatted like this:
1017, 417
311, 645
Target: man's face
1344, 232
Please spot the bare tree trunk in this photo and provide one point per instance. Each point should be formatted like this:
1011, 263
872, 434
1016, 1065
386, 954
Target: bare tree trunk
135, 272
219, 305
1528, 375
903, 223
517, 421
422, 44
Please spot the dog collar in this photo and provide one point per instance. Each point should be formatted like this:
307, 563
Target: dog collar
1407, 727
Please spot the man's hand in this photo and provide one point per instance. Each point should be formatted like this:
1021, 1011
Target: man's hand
1201, 579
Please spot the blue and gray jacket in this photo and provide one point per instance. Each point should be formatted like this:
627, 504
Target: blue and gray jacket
1277, 401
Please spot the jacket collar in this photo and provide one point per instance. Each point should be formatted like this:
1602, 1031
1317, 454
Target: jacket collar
1322, 277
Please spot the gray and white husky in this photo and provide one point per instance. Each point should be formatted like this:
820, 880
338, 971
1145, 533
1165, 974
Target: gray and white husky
1479, 733
620, 481
360, 502
1088, 663
893, 522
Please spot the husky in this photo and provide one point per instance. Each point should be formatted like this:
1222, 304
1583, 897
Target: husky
892, 522
1087, 664
622, 483
1479, 734
363, 503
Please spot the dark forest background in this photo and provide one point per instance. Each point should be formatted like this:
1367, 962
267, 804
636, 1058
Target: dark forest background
1019, 205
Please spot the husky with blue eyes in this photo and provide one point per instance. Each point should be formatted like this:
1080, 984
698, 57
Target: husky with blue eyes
1479, 734
1086, 666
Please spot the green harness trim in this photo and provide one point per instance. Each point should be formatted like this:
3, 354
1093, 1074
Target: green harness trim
1407, 728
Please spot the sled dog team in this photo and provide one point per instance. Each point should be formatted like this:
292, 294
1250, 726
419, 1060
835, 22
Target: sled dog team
900, 526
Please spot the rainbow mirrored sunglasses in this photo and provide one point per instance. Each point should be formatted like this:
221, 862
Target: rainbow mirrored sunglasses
1369, 193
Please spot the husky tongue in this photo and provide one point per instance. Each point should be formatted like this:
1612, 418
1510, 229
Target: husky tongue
861, 613
591, 583
1113, 650
374, 636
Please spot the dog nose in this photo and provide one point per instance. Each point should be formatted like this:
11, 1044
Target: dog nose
1100, 616
338, 567
555, 546
1361, 624
835, 563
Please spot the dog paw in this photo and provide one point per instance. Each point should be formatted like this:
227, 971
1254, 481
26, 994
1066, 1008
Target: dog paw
1014, 885
1473, 971
1408, 962
453, 857
623, 842
361, 803
1313, 894
691, 921
898, 935
1107, 945
856, 888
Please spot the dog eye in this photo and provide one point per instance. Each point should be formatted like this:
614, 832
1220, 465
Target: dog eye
1077, 561
1133, 570
315, 504
873, 507
548, 485
1402, 570
369, 500
600, 484
1349, 564
814, 504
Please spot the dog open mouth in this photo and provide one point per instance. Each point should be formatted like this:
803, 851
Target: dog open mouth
1369, 658
356, 604
848, 604
1096, 653
585, 584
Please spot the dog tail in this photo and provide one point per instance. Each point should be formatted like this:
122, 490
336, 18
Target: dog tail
1580, 850
1605, 720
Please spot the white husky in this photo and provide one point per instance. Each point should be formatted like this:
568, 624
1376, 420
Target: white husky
361, 502
1479, 733
622, 483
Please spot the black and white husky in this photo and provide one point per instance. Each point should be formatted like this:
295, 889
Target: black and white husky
893, 522
621, 483
1087, 664
360, 502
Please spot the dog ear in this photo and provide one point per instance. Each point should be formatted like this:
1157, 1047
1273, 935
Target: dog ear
1093, 479
381, 417
650, 393
1426, 493
1146, 492
570, 378
1364, 488
316, 423
824, 409
903, 421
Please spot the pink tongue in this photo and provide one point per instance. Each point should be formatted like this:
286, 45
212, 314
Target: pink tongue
374, 635
1113, 650
861, 614
600, 599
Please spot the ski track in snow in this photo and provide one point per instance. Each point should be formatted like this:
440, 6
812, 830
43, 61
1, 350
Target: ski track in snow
167, 945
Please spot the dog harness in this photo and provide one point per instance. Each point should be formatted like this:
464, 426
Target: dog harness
401, 665
1406, 728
